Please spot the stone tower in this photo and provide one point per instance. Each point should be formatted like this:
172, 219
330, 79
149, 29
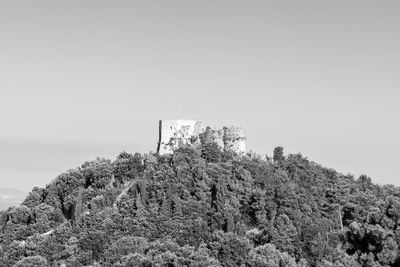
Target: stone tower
175, 133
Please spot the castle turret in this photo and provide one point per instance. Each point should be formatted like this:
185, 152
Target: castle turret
234, 139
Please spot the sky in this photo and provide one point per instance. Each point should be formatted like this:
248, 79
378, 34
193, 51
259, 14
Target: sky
87, 79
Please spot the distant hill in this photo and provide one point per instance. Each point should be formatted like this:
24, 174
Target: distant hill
11, 197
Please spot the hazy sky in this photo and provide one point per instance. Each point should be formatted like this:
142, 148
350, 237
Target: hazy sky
80, 79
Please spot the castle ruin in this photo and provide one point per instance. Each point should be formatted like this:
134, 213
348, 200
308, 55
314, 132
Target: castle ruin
176, 133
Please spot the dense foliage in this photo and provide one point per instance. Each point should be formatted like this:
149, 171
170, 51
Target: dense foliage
204, 207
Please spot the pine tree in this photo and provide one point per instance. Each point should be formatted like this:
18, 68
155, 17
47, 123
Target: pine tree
278, 154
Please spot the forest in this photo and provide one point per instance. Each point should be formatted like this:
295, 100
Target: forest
204, 207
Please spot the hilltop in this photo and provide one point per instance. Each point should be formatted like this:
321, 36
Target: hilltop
204, 206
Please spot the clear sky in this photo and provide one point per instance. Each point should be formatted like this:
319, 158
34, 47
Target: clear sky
80, 79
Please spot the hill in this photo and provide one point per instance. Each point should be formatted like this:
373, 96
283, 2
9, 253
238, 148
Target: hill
204, 207
11, 197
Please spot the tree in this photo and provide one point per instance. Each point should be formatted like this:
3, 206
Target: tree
229, 248
211, 152
389, 252
34, 198
32, 261
78, 206
278, 154
124, 247
267, 255
97, 173
284, 234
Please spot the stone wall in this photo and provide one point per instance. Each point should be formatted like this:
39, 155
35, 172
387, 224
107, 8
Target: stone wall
175, 133
234, 139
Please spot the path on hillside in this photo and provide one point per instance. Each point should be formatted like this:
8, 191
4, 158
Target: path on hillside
123, 193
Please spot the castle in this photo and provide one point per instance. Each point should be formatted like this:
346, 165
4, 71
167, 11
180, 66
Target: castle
175, 133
